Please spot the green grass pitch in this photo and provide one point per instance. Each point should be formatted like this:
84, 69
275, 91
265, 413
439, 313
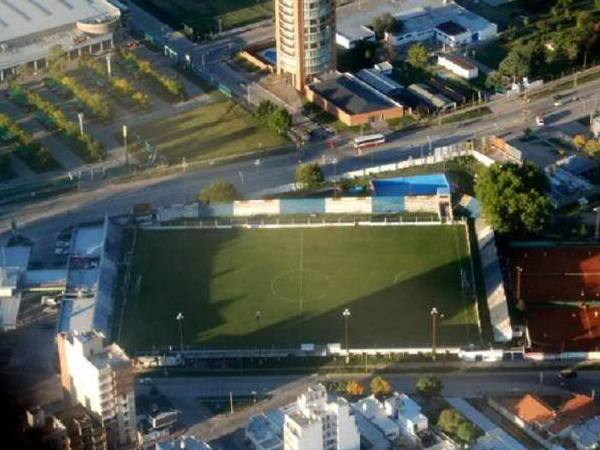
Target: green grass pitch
300, 280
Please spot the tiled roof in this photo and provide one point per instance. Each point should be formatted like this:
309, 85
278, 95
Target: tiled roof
530, 408
577, 409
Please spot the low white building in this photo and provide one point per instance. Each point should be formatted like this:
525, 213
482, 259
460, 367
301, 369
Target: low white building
100, 378
450, 24
459, 65
314, 422
374, 411
407, 413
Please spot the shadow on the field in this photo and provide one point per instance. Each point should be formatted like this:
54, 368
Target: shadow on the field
397, 316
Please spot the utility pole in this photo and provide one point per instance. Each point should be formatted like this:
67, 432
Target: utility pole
346, 315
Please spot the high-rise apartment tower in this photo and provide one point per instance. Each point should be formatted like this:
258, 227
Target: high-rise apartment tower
305, 35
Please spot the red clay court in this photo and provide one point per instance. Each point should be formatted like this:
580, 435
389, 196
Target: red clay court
556, 273
559, 329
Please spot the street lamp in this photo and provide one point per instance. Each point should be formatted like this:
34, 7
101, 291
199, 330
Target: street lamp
257, 164
125, 146
80, 119
434, 315
346, 315
334, 161
179, 319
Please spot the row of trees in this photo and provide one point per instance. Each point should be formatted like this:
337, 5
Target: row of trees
121, 86
276, 118
380, 387
32, 152
169, 84
89, 149
95, 104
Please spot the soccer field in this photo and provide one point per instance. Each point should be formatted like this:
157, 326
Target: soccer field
300, 281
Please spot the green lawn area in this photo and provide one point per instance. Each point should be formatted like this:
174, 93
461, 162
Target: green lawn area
218, 129
203, 15
300, 280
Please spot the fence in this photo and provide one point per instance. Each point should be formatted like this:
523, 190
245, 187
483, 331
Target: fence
442, 154
311, 206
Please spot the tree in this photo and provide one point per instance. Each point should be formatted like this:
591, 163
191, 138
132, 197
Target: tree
354, 387
276, 118
579, 141
592, 147
56, 59
429, 386
310, 176
495, 80
219, 192
516, 65
418, 56
449, 420
467, 432
380, 386
384, 24
513, 198
280, 120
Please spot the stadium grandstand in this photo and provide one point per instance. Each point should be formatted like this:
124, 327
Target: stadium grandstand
29, 29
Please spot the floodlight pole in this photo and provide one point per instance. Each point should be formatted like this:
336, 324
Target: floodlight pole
519, 273
346, 315
597, 211
434, 314
179, 319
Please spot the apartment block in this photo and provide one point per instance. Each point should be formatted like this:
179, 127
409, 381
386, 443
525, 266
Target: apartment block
100, 378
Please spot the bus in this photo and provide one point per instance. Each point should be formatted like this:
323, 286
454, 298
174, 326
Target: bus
371, 140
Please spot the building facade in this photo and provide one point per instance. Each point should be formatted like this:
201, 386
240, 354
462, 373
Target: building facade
305, 39
315, 423
100, 378
31, 30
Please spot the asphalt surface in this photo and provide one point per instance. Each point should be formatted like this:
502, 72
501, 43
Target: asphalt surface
187, 393
43, 220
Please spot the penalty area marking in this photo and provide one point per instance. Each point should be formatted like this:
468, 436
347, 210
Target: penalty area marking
293, 276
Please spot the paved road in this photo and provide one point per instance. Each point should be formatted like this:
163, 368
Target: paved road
42, 220
185, 392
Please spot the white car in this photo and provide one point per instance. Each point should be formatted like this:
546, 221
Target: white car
558, 103
539, 120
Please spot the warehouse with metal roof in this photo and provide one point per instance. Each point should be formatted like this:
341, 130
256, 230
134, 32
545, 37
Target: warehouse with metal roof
29, 29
